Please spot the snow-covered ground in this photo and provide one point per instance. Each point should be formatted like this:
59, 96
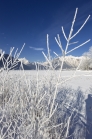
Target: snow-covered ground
73, 97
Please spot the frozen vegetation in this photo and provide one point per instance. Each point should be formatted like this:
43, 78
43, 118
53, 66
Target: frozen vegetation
26, 99
46, 104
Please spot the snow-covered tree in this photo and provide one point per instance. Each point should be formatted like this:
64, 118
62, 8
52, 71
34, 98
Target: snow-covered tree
86, 63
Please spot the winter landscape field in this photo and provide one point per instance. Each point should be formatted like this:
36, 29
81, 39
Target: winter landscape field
28, 96
53, 101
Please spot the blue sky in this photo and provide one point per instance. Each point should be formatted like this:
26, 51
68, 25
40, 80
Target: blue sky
29, 21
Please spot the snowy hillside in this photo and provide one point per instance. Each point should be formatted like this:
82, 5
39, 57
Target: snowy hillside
24, 61
16, 63
70, 62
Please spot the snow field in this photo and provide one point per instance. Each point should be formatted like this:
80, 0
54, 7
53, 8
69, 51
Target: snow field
27, 102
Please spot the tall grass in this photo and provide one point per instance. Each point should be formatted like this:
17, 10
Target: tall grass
29, 106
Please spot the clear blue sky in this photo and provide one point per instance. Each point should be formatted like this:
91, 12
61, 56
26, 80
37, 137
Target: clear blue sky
29, 21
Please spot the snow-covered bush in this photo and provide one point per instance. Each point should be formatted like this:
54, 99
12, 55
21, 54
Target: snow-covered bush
89, 53
86, 63
29, 105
